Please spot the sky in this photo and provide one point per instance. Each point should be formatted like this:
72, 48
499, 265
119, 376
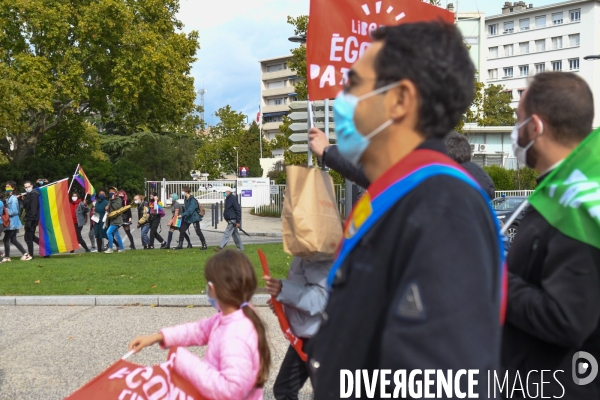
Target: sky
235, 34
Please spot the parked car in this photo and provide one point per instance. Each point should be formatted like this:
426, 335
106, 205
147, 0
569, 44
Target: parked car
505, 207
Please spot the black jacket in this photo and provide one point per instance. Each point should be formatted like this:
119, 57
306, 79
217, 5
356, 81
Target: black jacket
481, 177
31, 205
334, 160
439, 244
553, 307
232, 210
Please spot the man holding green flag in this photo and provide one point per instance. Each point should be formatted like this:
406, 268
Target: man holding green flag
553, 310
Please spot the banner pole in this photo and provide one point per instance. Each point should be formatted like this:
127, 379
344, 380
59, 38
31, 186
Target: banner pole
310, 125
73, 177
128, 354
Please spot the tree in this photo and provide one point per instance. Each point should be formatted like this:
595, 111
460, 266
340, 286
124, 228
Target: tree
298, 61
119, 60
495, 107
249, 150
216, 155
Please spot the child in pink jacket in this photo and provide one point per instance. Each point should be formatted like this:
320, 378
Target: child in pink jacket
237, 360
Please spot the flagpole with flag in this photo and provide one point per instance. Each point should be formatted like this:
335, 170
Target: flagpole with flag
57, 232
73, 177
83, 180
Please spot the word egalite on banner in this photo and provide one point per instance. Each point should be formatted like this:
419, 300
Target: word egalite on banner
339, 31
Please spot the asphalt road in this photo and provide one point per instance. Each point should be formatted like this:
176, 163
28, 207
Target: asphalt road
49, 352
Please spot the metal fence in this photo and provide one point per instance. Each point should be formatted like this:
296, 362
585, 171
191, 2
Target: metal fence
205, 191
270, 202
525, 193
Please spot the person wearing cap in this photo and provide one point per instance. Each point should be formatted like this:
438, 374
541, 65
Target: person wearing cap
233, 216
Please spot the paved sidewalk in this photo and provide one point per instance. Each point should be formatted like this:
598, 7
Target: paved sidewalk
49, 352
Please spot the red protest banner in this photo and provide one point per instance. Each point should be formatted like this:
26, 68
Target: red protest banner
127, 381
296, 342
339, 32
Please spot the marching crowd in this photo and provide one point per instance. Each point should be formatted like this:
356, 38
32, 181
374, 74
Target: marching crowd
108, 212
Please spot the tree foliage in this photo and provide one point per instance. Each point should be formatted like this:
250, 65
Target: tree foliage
298, 61
495, 107
217, 155
122, 61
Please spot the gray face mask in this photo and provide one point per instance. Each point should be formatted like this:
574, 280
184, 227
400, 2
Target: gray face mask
28, 189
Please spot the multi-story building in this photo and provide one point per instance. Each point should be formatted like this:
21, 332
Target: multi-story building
277, 92
525, 40
472, 27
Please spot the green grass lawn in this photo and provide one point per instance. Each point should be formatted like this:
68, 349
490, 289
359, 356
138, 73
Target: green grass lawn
132, 272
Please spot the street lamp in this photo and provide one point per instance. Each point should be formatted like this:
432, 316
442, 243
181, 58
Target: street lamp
592, 57
237, 162
298, 39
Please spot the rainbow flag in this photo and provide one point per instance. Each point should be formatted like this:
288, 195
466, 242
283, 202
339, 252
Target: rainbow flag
177, 223
57, 232
83, 180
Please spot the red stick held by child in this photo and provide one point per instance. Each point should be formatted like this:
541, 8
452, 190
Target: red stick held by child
283, 321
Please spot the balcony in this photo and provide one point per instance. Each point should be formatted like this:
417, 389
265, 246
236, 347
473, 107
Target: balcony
277, 108
278, 91
284, 73
271, 126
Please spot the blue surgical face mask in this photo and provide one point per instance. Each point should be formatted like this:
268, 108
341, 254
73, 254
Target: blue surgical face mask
351, 143
212, 300
101, 197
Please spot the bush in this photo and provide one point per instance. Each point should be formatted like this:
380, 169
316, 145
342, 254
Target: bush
512, 179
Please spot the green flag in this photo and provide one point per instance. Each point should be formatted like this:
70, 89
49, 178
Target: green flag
569, 198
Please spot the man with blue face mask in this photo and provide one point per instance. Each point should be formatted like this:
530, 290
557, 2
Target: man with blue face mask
416, 283
554, 279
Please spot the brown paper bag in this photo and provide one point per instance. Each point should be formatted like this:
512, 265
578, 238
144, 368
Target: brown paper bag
311, 223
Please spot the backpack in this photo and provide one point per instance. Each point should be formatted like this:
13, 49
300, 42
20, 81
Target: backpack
201, 210
5, 217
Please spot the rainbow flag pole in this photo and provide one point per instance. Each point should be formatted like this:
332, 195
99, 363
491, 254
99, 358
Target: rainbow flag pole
83, 180
57, 232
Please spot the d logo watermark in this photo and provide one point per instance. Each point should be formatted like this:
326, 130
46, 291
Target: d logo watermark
581, 367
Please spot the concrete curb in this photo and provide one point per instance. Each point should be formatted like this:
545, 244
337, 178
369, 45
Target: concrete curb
259, 300
258, 234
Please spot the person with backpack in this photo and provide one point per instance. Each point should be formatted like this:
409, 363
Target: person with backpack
191, 216
127, 218
233, 216
177, 209
10, 231
156, 213
31, 205
115, 203
99, 212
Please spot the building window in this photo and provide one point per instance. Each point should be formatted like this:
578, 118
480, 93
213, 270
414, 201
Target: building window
276, 102
520, 92
524, 24
574, 40
574, 64
557, 18
276, 67
540, 22
493, 73
524, 48
508, 72
493, 29
493, 52
274, 119
540, 45
508, 50
556, 65
524, 70
575, 15
509, 27
275, 84
557, 43
541, 67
